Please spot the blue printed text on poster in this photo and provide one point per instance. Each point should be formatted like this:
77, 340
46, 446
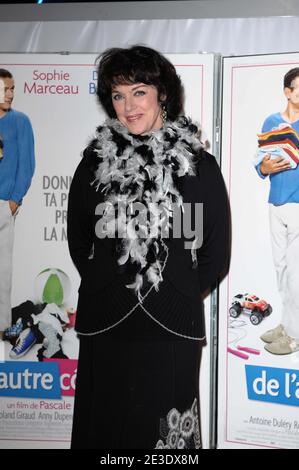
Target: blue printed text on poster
272, 384
30, 380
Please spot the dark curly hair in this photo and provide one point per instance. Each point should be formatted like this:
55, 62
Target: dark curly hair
289, 78
139, 64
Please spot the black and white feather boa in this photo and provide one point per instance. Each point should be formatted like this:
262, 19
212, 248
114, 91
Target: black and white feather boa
144, 169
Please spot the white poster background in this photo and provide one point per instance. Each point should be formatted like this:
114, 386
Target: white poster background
252, 90
64, 114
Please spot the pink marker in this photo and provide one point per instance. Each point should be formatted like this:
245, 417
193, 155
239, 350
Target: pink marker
250, 350
238, 353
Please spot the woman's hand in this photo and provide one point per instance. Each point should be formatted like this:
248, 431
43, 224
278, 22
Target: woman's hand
275, 165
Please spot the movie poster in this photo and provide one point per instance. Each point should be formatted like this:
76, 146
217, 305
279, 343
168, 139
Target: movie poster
258, 380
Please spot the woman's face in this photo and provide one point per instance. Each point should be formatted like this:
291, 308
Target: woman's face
137, 107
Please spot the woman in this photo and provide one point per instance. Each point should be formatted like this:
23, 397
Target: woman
140, 314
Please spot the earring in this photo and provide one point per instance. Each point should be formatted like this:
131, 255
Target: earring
163, 113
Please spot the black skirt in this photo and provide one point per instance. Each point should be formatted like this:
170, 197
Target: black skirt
137, 391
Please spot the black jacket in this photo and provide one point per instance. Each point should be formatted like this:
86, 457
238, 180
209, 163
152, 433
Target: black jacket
104, 300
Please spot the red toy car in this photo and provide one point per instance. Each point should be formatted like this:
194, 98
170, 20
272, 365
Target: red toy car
257, 308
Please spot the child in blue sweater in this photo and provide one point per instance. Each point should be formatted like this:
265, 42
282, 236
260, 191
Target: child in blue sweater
284, 224
17, 163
